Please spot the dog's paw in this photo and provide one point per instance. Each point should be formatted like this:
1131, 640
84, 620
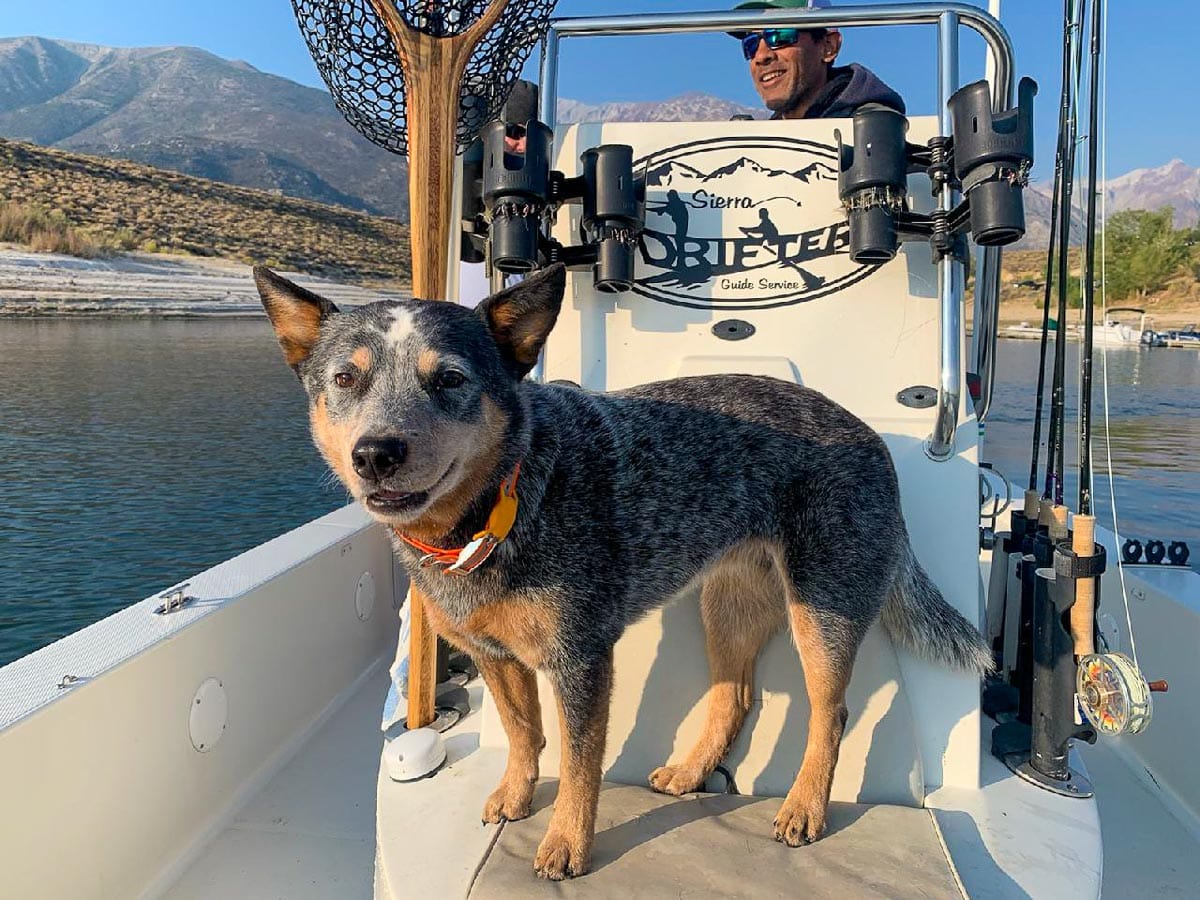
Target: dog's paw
508, 803
562, 856
676, 780
800, 821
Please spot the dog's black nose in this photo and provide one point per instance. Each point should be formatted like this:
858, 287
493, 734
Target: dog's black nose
376, 458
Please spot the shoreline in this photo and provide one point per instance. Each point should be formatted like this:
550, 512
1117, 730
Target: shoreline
46, 286
147, 286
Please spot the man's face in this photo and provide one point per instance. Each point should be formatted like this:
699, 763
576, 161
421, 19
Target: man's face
789, 75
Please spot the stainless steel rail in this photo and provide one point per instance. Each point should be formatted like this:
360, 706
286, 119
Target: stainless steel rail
940, 445
949, 18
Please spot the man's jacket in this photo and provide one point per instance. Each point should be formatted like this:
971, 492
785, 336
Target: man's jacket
848, 88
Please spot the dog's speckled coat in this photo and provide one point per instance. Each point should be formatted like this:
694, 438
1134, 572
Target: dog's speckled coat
782, 501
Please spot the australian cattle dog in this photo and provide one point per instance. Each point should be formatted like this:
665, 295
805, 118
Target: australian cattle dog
540, 520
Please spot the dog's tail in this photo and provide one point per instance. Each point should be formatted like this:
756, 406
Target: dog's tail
918, 617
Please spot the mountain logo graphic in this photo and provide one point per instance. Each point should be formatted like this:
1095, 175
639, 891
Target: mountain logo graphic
743, 222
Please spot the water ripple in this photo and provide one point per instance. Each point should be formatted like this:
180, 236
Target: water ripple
133, 454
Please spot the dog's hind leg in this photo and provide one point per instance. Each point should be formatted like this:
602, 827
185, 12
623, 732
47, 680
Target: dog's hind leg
741, 606
514, 688
827, 643
584, 693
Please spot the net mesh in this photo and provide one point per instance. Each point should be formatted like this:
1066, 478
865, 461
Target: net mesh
358, 61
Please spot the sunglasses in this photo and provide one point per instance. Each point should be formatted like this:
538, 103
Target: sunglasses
775, 38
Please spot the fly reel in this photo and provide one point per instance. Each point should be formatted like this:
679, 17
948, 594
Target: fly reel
1113, 694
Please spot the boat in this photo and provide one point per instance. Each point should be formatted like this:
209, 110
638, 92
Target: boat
223, 738
1187, 337
1115, 333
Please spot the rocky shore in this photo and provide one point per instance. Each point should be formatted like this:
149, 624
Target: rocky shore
145, 284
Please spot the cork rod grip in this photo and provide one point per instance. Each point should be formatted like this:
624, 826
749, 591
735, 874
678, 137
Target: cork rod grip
1083, 613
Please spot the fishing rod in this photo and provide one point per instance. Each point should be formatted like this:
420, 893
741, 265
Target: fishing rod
1089, 271
1083, 612
1059, 156
1054, 451
1042, 525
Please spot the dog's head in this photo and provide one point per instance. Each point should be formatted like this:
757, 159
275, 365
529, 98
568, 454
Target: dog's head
411, 401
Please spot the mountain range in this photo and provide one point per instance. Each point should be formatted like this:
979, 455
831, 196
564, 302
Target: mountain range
184, 109
187, 110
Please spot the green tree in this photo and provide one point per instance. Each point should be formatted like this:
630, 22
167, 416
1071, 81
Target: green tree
1144, 249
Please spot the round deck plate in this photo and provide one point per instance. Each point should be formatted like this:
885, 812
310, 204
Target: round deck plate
364, 597
209, 714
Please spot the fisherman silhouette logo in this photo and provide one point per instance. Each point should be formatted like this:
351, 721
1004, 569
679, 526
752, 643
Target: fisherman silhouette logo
748, 222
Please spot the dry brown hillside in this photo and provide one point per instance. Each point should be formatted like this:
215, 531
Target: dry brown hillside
1023, 290
126, 204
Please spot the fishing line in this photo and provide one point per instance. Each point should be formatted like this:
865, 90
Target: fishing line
1112, 494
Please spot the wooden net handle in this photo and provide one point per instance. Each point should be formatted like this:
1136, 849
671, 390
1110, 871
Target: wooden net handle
433, 68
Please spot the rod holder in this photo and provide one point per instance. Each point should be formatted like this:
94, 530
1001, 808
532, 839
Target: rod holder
612, 214
992, 157
1053, 725
873, 183
515, 194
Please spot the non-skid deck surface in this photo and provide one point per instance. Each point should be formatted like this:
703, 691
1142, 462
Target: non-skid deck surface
309, 834
651, 845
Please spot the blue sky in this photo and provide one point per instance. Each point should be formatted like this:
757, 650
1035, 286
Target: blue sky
1149, 64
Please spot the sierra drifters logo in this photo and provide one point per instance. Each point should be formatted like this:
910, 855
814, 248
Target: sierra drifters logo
743, 223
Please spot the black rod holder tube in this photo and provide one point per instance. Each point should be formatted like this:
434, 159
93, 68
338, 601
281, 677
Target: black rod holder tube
1038, 554
1053, 676
873, 182
613, 214
992, 156
515, 193
1012, 547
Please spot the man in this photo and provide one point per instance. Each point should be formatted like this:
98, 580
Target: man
793, 69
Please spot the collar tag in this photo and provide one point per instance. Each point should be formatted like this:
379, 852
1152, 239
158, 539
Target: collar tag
504, 515
500, 522
475, 554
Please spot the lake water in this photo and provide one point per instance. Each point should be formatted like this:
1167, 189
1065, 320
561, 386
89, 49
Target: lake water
136, 453
1154, 401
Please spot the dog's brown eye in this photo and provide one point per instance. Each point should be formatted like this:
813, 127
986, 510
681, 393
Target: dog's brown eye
451, 379
343, 379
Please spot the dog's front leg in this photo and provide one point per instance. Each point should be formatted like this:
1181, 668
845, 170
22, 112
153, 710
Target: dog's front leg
584, 691
514, 688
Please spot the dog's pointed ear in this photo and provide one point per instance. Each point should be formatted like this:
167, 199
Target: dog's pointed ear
295, 313
520, 317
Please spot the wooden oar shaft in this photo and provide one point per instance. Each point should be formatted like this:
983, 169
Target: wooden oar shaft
1083, 613
433, 68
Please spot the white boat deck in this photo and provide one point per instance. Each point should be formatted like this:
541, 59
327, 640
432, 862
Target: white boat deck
310, 832
292, 803
1147, 851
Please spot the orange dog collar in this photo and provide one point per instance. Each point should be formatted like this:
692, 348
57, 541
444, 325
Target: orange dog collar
465, 560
